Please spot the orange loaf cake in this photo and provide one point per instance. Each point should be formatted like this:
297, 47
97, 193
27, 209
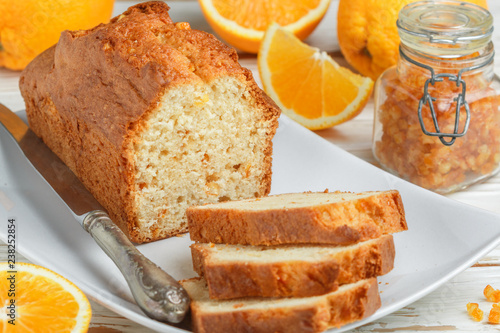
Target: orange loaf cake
153, 117
235, 271
349, 303
335, 218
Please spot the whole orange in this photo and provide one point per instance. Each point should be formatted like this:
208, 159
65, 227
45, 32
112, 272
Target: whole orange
28, 27
367, 33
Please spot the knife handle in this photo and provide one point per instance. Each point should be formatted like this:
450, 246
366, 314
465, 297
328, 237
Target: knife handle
158, 294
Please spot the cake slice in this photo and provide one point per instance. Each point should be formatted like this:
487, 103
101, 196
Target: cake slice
349, 303
153, 117
234, 271
337, 218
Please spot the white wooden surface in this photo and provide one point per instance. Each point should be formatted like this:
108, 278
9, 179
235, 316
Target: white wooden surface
440, 311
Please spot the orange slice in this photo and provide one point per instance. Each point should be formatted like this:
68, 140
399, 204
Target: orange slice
242, 23
35, 299
308, 85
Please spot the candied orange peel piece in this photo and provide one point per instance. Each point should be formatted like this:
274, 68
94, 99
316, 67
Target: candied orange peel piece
474, 311
494, 316
491, 294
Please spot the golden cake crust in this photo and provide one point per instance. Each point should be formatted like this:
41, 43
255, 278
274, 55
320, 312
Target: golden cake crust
315, 315
337, 223
292, 278
227, 279
87, 96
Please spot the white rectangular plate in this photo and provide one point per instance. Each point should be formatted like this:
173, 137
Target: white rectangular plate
444, 236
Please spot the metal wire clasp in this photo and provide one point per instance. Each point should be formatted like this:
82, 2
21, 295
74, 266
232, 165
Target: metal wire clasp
460, 100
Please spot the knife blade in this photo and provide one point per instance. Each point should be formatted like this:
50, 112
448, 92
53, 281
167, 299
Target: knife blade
158, 294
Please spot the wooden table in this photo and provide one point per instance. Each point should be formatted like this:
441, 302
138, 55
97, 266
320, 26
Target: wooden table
441, 311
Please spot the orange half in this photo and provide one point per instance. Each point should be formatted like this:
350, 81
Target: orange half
242, 23
43, 301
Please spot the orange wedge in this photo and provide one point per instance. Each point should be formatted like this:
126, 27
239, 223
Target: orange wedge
35, 299
308, 85
242, 23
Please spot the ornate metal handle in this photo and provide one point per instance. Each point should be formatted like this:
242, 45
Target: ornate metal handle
158, 294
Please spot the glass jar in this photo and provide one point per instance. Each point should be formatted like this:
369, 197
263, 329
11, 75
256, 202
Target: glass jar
437, 117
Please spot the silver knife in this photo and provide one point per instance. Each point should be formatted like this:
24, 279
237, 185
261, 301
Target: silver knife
158, 294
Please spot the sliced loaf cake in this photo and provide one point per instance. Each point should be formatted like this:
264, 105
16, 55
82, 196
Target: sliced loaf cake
234, 271
337, 218
349, 303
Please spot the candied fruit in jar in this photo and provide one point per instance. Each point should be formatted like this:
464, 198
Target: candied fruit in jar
437, 113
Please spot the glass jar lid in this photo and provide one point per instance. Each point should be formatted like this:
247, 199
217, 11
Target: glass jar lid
445, 28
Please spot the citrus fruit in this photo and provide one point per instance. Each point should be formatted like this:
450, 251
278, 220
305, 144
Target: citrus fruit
35, 299
308, 85
368, 35
29, 27
242, 23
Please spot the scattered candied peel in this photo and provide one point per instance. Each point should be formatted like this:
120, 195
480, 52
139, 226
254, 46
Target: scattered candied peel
474, 311
494, 316
491, 294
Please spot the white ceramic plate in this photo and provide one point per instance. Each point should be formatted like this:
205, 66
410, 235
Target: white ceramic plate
444, 236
